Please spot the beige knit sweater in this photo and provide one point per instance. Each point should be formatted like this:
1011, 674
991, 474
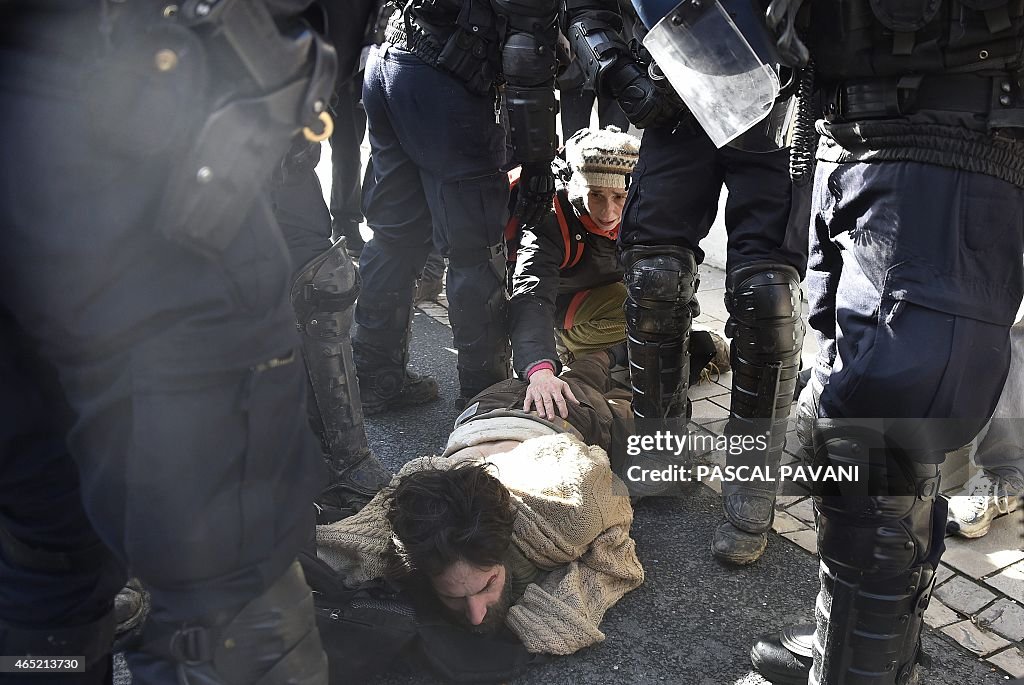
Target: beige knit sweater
572, 521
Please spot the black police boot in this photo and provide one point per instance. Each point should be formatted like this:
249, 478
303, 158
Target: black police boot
323, 296
381, 352
764, 302
353, 482
785, 657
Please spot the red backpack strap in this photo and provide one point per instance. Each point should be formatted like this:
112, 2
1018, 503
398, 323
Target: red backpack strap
572, 239
563, 228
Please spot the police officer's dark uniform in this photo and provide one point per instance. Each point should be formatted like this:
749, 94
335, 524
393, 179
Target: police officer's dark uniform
151, 387
324, 289
438, 145
917, 235
671, 206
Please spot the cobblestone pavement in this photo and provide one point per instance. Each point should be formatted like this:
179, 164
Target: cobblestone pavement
979, 592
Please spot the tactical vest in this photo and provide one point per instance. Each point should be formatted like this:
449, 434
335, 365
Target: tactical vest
461, 37
866, 38
930, 81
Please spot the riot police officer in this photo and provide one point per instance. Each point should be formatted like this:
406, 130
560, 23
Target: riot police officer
437, 139
151, 382
324, 289
671, 206
918, 228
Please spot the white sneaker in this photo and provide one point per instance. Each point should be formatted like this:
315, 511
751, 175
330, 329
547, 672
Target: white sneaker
986, 496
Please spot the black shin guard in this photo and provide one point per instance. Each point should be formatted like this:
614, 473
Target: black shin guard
660, 286
764, 303
879, 553
323, 296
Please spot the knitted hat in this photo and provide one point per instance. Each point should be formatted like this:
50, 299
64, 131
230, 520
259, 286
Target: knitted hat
600, 157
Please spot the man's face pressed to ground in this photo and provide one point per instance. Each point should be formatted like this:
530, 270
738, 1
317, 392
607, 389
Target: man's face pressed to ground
478, 597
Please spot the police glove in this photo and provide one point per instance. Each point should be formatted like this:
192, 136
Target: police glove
536, 190
642, 101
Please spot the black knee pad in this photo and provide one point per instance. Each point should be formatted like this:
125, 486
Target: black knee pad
660, 286
325, 289
886, 515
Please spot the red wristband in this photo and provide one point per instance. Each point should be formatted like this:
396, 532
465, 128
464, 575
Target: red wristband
538, 366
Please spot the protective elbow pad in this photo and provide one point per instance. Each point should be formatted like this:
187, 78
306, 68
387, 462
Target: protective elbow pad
599, 48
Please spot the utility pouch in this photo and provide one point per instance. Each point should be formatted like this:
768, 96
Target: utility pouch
471, 52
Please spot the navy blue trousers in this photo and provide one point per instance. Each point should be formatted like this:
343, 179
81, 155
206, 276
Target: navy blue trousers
674, 197
142, 421
437, 153
914, 280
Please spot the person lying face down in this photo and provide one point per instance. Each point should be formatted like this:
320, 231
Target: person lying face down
453, 532
520, 523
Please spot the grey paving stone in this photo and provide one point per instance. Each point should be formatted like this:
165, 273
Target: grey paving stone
708, 321
723, 401
793, 445
704, 390
807, 539
706, 411
803, 510
1005, 617
716, 427
938, 614
1009, 581
710, 278
963, 595
983, 556
969, 636
1010, 660
942, 574
784, 523
712, 303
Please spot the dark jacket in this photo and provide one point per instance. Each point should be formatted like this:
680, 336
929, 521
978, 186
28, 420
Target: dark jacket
556, 261
602, 418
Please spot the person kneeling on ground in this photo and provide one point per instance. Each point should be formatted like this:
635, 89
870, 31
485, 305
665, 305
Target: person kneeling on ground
567, 276
520, 523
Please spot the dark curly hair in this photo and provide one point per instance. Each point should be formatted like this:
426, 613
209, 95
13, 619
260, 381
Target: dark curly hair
439, 517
